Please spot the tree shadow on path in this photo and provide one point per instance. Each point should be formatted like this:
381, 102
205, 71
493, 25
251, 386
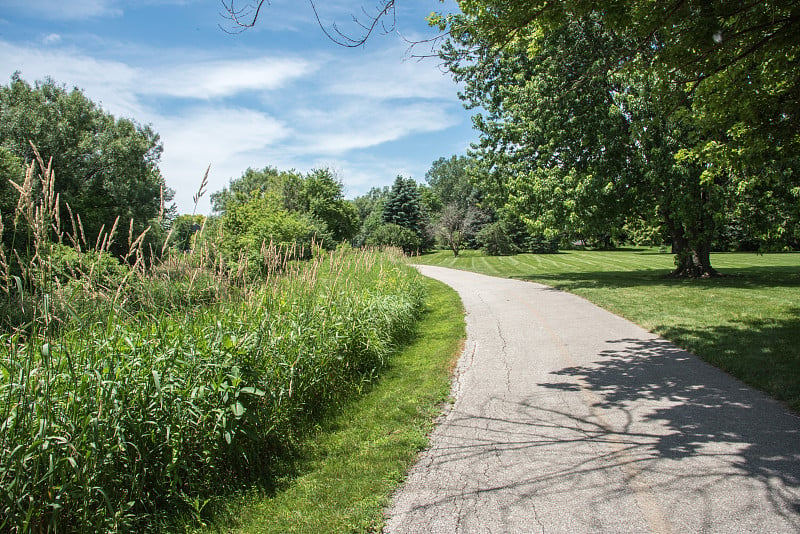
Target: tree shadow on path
700, 411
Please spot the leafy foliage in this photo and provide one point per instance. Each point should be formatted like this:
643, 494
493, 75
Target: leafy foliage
107, 167
11, 170
323, 198
184, 229
370, 213
449, 180
595, 118
284, 208
394, 235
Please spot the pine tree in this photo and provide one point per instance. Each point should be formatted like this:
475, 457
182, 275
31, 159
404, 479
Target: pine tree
403, 207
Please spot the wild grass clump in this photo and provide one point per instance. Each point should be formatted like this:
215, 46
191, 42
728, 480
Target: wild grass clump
184, 387
54, 276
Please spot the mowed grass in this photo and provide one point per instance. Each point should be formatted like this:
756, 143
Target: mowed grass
746, 322
345, 476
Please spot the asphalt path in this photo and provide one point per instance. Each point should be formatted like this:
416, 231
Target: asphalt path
567, 418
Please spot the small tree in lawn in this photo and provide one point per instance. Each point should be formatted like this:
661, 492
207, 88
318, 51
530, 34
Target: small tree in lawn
452, 227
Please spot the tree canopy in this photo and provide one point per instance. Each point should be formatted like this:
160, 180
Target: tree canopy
675, 115
284, 208
105, 167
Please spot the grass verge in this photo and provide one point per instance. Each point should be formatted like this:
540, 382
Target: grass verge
346, 474
746, 322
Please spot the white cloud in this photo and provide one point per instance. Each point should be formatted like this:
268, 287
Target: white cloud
385, 76
52, 38
214, 79
226, 138
109, 83
365, 124
119, 87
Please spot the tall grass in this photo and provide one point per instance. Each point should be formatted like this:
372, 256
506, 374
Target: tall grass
115, 421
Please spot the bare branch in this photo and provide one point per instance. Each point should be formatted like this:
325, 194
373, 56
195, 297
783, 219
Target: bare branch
242, 18
245, 17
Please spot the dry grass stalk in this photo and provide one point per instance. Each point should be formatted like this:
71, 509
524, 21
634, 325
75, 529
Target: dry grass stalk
161, 205
73, 237
80, 227
201, 190
165, 246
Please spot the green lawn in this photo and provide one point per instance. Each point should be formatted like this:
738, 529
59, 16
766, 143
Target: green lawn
747, 322
344, 477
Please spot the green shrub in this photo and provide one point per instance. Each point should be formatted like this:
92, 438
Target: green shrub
495, 240
393, 235
540, 244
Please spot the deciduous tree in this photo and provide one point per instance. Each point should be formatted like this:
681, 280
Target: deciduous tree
105, 167
677, 86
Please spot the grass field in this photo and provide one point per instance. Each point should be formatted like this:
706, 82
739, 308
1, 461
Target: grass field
746, 322
344, 476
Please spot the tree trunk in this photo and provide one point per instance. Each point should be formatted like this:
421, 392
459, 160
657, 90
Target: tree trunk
691, 241
691, 261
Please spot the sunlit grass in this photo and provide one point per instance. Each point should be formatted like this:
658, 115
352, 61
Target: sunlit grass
345, 475
746, 322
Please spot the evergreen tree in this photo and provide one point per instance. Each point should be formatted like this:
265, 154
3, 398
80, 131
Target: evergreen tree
403, 206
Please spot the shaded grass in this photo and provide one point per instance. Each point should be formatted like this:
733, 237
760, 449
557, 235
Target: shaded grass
345, 475
746, 322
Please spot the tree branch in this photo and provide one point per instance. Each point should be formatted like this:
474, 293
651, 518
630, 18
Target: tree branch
247, 16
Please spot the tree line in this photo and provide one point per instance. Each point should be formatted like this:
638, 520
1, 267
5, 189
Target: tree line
108, 186
108, 183
674, 121
672, 126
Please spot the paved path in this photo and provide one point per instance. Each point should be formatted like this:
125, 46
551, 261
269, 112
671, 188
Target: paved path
570, 419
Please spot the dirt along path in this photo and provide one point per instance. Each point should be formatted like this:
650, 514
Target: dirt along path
568, 418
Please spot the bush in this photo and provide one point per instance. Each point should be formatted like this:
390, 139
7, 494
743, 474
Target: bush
540, 244
495, 241
393, 235
246, 231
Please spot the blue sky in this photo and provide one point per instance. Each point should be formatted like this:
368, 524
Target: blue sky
279, 94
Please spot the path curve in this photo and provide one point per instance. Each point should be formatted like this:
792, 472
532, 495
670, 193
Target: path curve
568, 418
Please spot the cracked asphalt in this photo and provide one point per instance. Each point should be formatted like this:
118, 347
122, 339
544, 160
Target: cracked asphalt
567, 418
